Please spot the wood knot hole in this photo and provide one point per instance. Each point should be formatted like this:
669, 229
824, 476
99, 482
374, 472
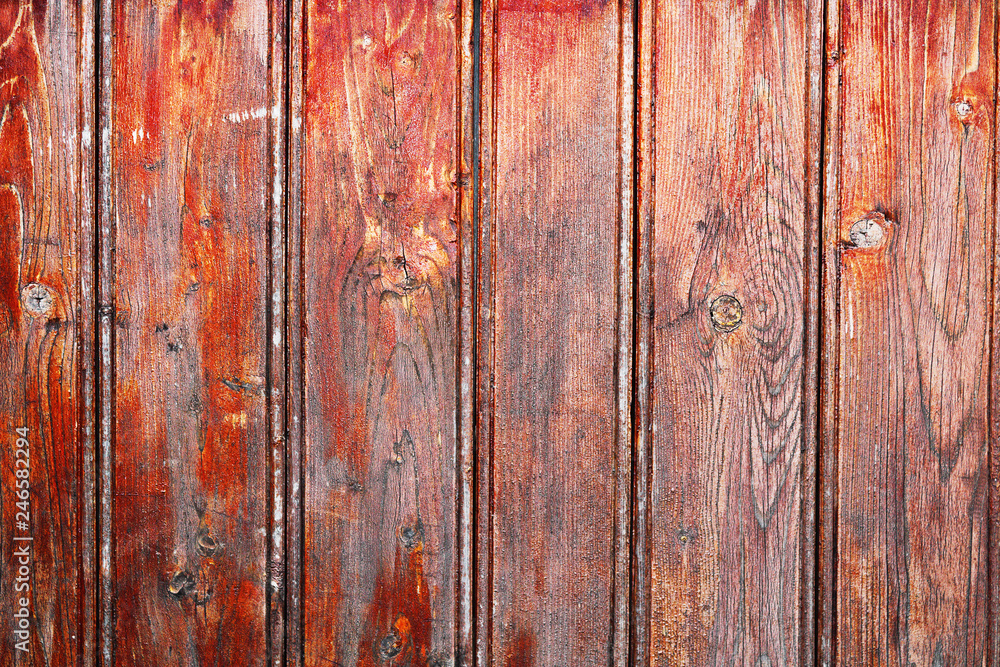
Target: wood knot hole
181, 584
38, 299
390, 646
208, 546
869, 231
727, 313
963, 109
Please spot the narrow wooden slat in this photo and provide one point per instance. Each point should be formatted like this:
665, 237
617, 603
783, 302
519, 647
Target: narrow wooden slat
381, 167
624, 363
105, 323
556, 219
642, 417
826, 488
733, 159
810, 598
485, 120
46, 325
293, 332
913, 220
276, 360
193, 175
467, 82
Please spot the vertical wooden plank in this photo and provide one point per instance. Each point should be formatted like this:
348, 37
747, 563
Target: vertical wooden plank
556, 222
105, 325
192, 189
914, 216
380, 249
642, 416
485, 120
624, 362
826, 536
733, 157
276, 360
294, 341
469, 13
46, 323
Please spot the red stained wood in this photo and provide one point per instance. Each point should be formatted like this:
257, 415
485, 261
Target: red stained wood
729, 98
423, 333
192, 110
380, 171
549, 322
46, 124
915, 121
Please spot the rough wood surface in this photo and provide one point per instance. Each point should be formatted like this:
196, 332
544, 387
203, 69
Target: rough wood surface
551, 469
915, 218
380, 171
448, 333
190, 137
46, 307
729, 169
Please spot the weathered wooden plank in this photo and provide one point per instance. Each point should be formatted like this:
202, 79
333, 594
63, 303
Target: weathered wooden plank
555, 221
191, 185
470, 14
276, 362
914, 217
733, 153
826, 487
381, 166
294, 341
46, 329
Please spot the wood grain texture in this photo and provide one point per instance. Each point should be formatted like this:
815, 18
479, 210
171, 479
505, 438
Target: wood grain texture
46, 320
730, 183
916, 135
380, 249
192, 183
551, 201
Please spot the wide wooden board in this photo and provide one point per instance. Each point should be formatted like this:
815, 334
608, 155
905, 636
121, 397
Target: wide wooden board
380, 174
554, 457
187, 145
727, 177
910, 226
46, 326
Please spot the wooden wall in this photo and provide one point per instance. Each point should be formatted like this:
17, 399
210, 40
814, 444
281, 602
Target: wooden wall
529, 333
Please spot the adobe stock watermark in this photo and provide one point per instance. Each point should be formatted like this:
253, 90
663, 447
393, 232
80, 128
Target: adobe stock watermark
21, 561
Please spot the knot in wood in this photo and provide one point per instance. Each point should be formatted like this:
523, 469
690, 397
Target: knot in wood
963, 108
727, 313
181, 584
207, 545
868, 232
38, 299
390, 646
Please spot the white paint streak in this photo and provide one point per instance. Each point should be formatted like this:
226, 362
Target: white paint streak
250, 114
